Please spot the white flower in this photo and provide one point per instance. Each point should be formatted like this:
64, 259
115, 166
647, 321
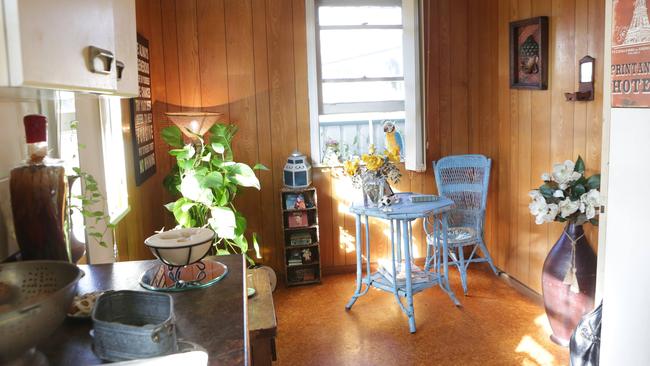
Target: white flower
552, 212
589, 202
542, 211
568, 207
546, 177
565, 173
558, 194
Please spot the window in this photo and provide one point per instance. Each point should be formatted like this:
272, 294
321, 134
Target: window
364, 68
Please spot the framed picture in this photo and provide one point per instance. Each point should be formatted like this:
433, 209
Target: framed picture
142, 129
529, 53
630, 86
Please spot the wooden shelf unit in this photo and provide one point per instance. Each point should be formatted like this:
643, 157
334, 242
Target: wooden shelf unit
305, 234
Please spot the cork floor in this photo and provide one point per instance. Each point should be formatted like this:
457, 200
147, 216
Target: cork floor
495, 326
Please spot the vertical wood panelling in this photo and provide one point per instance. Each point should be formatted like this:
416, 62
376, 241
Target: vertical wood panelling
247, 58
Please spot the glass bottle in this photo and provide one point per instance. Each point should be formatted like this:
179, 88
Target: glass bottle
38, 197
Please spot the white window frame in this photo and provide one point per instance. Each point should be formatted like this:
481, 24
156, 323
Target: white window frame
415, 136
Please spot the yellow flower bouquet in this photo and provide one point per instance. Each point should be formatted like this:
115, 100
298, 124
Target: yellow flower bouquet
373, 171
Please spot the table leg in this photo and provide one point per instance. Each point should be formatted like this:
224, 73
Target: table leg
444, 283
407, 267
357, 292
398, 246
368, 272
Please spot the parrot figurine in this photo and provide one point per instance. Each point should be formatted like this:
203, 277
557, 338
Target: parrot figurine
393, 137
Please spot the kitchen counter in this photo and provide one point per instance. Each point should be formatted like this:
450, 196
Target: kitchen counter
214, 317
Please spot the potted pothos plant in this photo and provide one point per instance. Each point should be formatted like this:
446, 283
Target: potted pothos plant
206, 180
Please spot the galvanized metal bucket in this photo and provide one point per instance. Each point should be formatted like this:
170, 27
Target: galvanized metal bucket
130, 325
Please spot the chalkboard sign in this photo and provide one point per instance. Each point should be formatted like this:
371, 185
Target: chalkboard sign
142, 131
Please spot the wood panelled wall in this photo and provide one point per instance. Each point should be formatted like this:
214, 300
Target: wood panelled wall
539, 128
247, 59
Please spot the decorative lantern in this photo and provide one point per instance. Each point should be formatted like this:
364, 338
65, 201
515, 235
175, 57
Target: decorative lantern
297, 171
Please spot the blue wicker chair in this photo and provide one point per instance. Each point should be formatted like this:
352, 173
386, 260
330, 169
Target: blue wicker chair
464, 179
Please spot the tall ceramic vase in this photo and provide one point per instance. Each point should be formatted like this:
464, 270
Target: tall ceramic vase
568, 282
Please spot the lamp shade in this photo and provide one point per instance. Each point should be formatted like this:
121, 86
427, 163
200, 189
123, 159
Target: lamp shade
194, 122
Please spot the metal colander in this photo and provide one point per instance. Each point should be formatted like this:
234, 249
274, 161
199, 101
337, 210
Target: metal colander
34, 298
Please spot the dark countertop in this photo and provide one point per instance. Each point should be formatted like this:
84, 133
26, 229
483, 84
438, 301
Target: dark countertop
213, 317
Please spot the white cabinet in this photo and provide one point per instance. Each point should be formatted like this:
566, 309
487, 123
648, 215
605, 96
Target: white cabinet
126, 48
67, 44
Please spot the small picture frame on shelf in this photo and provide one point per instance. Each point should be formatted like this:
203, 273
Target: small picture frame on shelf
290, 201
302, 238
298, 219
307, 256
294, 258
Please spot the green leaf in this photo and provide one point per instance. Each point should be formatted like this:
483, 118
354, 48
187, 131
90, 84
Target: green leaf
187, 152
213, 180
74, 125
580, 165
191, 188
594, 182
546, 190
222, 198
103, 243
577, 191
81, 146
241, 242
172, 136
241, 224
259, 166
95, 234
222, 252
77, 170
256, 246
223, 222
244, 176
170, 206
218, 147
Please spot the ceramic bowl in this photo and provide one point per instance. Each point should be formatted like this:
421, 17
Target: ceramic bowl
181, 247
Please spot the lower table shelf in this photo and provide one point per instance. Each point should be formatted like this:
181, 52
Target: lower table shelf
380, 281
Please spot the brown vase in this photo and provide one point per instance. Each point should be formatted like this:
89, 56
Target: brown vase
564, 306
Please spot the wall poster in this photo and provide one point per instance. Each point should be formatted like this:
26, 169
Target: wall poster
630, 54
142, 131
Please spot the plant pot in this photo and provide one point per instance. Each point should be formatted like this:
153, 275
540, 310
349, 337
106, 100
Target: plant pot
565, 304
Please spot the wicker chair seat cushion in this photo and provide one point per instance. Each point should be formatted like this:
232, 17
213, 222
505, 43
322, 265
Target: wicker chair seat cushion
460, 235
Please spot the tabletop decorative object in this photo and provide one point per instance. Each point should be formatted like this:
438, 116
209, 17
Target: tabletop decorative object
373, 172
182, 253
297, 171
38, 189
569, 272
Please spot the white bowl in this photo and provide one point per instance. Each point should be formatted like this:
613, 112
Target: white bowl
181, 247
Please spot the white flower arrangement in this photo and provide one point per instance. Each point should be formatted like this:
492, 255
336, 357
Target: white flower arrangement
567, 195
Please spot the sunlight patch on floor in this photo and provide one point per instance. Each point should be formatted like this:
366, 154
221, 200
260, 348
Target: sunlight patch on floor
535, 352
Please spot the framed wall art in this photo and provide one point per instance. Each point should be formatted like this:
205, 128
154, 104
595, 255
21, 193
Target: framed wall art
142, 129
529, 53
630, 86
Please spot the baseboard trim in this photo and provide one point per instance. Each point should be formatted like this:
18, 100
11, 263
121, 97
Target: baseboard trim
521, 288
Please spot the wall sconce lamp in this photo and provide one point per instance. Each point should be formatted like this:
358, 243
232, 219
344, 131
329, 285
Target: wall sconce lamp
194, 124
586, 86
